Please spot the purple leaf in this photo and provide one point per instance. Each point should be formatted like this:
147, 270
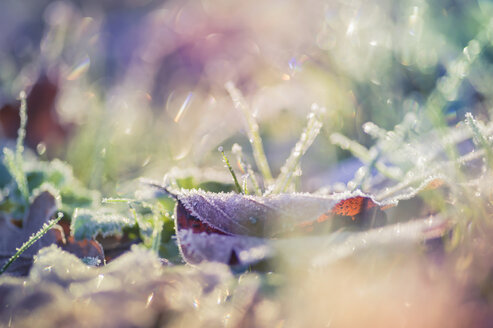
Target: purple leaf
236, 229
243, 229
267, 216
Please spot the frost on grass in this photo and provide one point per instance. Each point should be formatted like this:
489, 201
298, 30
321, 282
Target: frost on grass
307, 137
12, 237
87, 224
32, 239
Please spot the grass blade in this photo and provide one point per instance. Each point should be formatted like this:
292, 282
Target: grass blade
228, 165
253, 132
35, 237
14, 162
307, 137
246, 168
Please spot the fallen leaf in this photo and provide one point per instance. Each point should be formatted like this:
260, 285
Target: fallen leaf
260, 216
13, 237
83, 248
241, 229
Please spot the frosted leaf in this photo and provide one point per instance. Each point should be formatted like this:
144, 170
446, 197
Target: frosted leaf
231, 213
243, 229
236, 229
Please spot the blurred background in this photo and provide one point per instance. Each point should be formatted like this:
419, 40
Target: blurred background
124, 89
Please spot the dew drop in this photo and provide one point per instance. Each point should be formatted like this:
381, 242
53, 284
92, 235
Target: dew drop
41, 148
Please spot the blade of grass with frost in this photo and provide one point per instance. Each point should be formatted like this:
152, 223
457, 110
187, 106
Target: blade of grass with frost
21, 133
374, 130
361, 153
245, 185
479, 137
447, 87
436, 171
14, 162
307, 137
35, 237
157, 227
246, 168
254, 181
433, 172
364, 173
156, 234
226, 162
127, 201
253, 134
238, 152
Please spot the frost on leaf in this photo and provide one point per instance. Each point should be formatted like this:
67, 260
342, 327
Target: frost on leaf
258, 216
232, 250
243, 229
88, 224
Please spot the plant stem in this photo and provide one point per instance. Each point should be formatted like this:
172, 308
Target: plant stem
246, 168
21, 133
228, 165
307, 137
35, 237
253, 132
